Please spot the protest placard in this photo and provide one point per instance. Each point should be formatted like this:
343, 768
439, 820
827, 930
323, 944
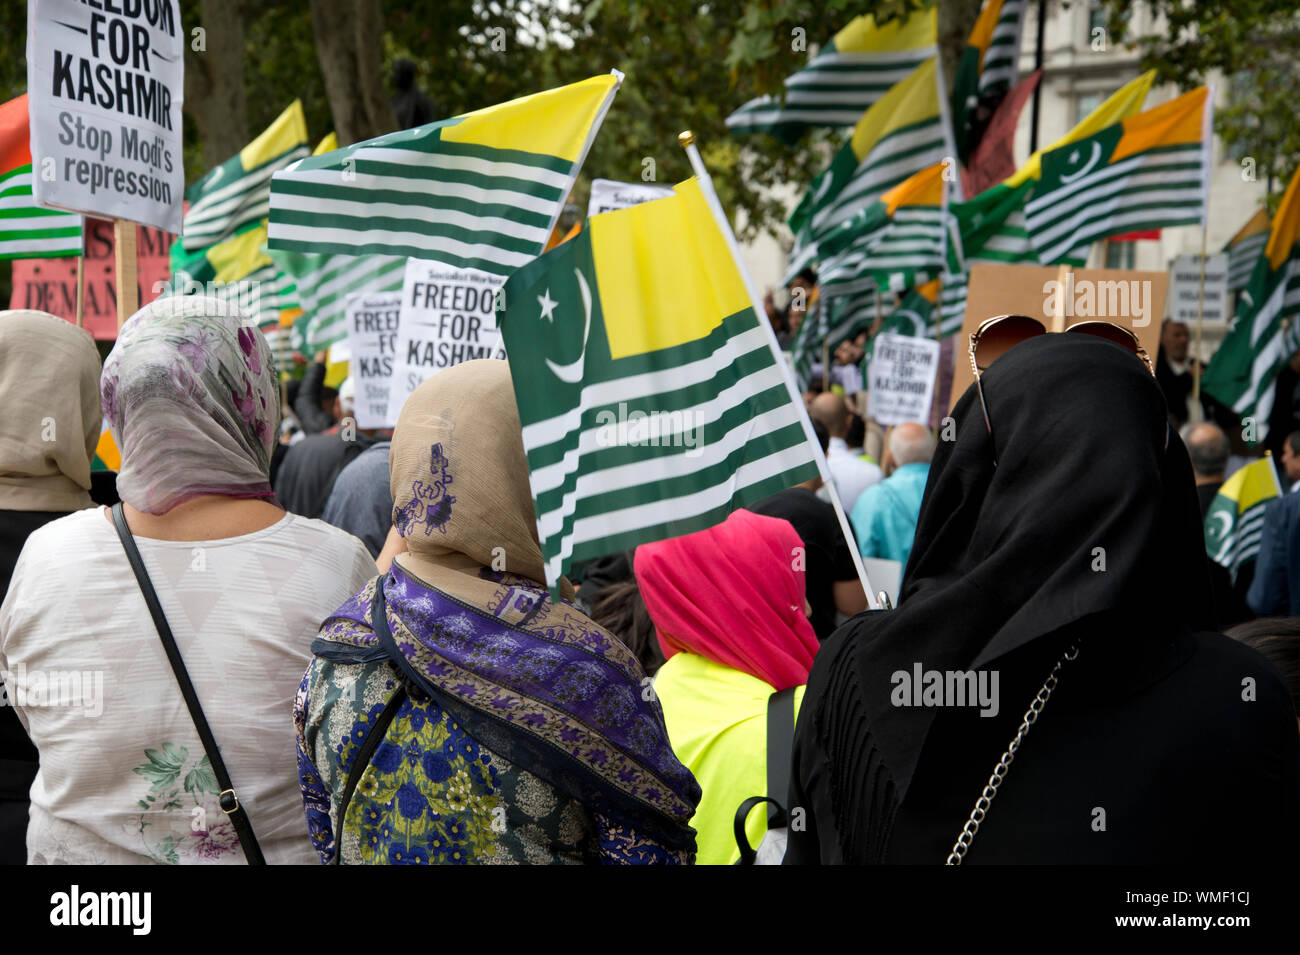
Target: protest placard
1185, 290
902, 376
1060, 297
608, 195
447, 316
105, 84
372, 341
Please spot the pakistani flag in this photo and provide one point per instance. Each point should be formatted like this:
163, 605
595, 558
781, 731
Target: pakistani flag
482, 190
28, 231
1150, 171
988, 67
845, 79
899, 136
1266, 331
642, 419
1245, 248
1235, 519
237, 194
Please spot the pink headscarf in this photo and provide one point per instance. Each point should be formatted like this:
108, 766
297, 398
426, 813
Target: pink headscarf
732, 594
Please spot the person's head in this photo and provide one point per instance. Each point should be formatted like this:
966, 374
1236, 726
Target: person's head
459, 478
190, 395
855, 433
329, 402
801, 298
1278, 640
621, 611
1174, 339
830, 410
1291, 456
1208, 448
735, 594
347, 399
909, 443
49, 390
404, 71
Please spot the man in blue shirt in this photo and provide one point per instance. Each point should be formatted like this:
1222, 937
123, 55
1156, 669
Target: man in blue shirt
884, 516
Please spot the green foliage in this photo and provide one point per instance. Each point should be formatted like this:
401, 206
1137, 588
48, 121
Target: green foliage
1256, 45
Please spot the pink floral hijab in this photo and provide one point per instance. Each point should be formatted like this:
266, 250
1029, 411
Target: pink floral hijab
189, 393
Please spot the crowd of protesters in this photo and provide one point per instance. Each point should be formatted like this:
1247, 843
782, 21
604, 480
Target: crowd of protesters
386, 677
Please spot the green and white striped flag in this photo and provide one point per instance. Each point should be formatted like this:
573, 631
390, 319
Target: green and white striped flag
988, 67
643, 420
903, 133
482, 190
28, 231
237, 193
1245, 248
324, 283
1234, 521
1149, 171
845, 79
1266, 331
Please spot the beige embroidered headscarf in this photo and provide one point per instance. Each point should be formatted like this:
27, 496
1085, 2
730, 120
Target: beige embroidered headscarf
459, 479
49, 412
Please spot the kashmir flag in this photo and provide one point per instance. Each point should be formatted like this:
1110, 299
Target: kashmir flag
323, 284
1266, 330
988, 68
644, 420
896, 241
28, 231
899, 136
845, 79
912, 316
1234, 522
237, 193
1244, 249
1149, 171
482, 190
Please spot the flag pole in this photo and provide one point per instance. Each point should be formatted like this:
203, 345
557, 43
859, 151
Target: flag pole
1207, 139
81, 290
687, 142
1200, 315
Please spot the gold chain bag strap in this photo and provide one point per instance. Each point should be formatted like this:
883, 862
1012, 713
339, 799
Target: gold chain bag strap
963, 843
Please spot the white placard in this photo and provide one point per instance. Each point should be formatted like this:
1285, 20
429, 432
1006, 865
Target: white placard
902, 379
608, 195
1185, 289
106, 84
448, 315
372, 342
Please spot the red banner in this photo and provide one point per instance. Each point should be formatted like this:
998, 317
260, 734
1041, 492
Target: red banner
50, 285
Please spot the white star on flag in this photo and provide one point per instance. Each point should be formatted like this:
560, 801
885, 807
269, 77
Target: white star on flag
548, 306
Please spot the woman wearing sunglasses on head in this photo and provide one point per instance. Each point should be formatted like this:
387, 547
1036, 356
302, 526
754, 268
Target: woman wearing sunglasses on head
1045, 692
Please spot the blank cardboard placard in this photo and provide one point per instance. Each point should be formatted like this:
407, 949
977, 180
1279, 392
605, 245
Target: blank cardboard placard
1059, 297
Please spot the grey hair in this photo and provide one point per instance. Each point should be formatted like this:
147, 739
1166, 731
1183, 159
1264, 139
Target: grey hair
1209, 453
911, 444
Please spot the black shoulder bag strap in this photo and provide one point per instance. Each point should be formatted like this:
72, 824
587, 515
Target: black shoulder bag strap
780, 748
228, 800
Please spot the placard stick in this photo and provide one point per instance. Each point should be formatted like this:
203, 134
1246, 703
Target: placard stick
1200, 319
81, 291
128, 294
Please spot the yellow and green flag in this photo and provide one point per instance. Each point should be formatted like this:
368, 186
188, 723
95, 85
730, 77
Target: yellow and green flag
988, 68
1149, 171
847, 77
643, 419
482, 190
1266, 330
1244, 248
1235, 519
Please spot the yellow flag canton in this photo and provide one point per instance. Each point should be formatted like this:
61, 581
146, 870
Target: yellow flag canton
288, 130
862, 35
912, 101
923, 189
1286, 225
1251, 484
675, 238
1179, 122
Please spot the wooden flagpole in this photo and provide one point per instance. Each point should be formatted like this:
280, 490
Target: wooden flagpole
127, 271
81, 290
687, 141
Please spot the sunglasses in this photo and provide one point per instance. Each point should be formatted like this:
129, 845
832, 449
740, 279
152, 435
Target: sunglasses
998, 335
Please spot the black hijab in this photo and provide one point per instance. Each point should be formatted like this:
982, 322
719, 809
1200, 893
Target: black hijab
1006, 559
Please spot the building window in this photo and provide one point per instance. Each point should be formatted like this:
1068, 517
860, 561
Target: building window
1084, 104
1120, 255
1097, 18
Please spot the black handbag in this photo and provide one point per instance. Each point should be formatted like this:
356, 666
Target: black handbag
228, 800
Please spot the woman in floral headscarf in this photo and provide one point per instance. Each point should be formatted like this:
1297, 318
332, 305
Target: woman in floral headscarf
456, 712
191, 398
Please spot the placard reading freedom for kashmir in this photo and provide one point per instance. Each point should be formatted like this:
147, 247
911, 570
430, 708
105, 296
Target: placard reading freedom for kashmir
902, 373
608, 195
372, 342
105, 84
448, 315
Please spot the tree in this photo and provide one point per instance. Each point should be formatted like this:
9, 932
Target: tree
215, 97
1256, 45
349, 35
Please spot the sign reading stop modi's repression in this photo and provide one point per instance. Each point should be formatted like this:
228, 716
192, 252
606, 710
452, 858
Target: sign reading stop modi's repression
902, 378
105, 88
